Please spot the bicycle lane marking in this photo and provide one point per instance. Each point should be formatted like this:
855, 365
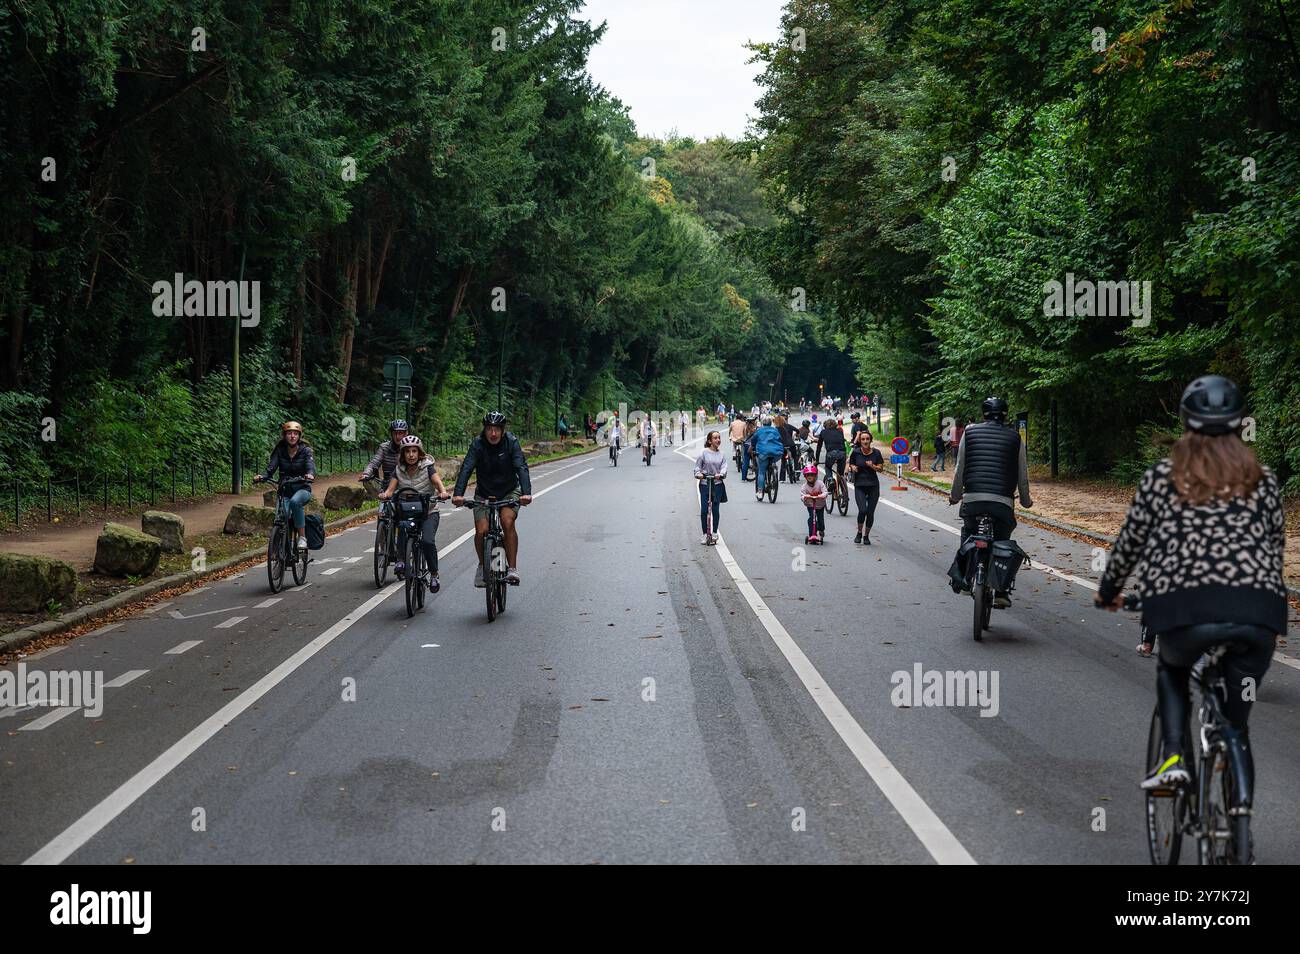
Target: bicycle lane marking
933, 834
76, 835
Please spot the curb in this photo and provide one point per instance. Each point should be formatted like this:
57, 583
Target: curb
83, 614
1031, 518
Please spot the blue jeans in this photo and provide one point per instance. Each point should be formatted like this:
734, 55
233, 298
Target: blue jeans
763, 461
704, 507
296, 503
744, 461
939, 459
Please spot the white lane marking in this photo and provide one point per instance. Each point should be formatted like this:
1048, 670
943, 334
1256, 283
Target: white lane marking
1286, 660
271, 602
298, 589
49, 719
104, 629
684, 452
230, 623
430, 646
201, 589
176, 614
46, 652
182, 647
59, 848
352, 559
956, 531
129, 676
331, 570
156, 607
942, 845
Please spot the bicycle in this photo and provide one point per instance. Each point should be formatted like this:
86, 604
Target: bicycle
385, 551
981, 579
281, 548
613, 452
648, 450
492, 557
413, 519
1214, 808
771, 480
839, 490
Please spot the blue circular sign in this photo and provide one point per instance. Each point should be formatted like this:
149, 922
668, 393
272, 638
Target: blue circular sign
901, 445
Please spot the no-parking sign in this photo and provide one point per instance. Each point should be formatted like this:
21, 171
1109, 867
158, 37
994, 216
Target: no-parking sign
901, 446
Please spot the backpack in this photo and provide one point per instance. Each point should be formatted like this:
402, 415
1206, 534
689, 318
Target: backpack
315, 531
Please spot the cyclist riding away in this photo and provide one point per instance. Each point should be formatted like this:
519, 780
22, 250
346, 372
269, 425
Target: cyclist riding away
832, 438
1206, 530
419, 473
293, 458
767, 442
991, 469
501, 473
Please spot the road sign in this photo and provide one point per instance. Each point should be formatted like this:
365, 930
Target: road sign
396, 369
901, 446
899, 458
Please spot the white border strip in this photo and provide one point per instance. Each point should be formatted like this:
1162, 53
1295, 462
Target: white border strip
942, 845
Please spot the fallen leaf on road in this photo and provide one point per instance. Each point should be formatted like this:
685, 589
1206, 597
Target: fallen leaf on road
575, 707
599, 699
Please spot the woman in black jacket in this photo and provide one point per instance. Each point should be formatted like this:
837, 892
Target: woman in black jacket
293, 458
1207, 529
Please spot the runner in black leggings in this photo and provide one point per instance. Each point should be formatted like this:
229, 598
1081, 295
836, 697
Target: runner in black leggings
865, 465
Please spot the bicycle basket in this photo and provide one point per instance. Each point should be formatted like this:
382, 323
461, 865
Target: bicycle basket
410, 508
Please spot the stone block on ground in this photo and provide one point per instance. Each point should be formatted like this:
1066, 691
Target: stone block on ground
123, 551
169, 528
29, 583
245, 518
346, 497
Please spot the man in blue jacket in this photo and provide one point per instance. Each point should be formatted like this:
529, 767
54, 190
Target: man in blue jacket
767, 443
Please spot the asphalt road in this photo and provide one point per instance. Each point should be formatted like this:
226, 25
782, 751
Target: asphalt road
643, 699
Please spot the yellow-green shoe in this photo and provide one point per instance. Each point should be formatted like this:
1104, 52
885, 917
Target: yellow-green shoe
1171, 774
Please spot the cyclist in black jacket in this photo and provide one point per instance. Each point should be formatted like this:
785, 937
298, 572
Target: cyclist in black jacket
832, 438
497, 460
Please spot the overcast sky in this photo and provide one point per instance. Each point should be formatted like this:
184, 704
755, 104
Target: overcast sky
682, 63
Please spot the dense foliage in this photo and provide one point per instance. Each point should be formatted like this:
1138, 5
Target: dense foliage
388, 172
934, 165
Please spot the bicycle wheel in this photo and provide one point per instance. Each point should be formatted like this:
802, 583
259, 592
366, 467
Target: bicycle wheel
1164, 809
489, 578
844, 498
300, 558
382, 529
275, 558
1216, 842
980, 594
412, 582
773, 482
613, 455
502, 585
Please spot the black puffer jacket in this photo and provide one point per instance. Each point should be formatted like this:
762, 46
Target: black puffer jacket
300, 465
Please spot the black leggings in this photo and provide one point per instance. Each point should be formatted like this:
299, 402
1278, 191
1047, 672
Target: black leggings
867, 497
1250, 650
428, 532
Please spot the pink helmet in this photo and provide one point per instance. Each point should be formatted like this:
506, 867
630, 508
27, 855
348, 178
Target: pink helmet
810, 469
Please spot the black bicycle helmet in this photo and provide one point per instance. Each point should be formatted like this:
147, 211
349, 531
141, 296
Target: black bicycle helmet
1212, 405
494, 419
398, 425
995, 409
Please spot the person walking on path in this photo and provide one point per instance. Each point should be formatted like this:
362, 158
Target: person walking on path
940, 451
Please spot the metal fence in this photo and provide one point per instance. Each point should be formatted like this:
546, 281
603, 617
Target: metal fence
27, 500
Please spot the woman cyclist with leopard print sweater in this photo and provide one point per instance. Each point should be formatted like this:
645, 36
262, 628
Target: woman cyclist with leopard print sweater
1205, 533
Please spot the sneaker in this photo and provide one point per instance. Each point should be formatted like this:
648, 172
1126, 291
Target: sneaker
478, 577
434, 585
512, 576
1001, 600
399, 570
704, 539
857, 538
302, 543
1170, 774
866, 538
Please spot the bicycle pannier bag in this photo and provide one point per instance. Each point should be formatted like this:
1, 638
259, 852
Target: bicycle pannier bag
315, 531
1007, 557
